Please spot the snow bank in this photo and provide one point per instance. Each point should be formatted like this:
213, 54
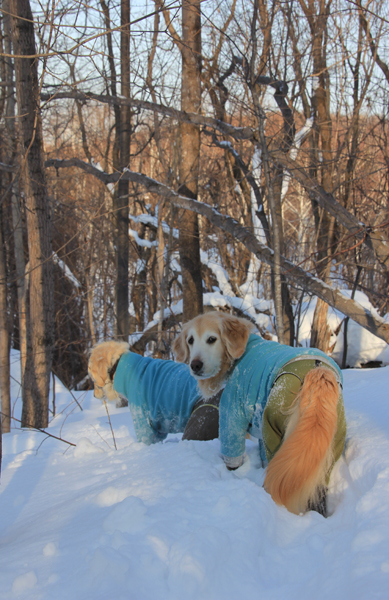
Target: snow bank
362, 346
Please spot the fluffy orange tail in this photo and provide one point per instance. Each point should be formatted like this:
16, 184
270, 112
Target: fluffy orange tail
297, 472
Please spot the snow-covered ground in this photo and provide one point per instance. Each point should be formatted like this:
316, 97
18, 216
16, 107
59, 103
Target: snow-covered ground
169, 521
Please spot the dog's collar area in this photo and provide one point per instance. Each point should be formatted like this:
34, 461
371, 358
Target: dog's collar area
112, 370
212, 401
205, 404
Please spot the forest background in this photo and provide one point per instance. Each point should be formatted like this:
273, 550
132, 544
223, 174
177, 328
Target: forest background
156, 154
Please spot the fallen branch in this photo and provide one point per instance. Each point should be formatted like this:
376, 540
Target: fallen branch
42, 431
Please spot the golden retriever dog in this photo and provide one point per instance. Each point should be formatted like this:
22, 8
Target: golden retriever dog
289, 398
101, 369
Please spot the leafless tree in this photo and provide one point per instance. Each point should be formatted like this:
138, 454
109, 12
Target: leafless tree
40, 343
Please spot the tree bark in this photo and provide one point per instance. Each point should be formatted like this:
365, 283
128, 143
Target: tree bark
278, 176
17, 220
274, 180
121, 197
189, 237
5, 419
321, 103
276, 225
121, 160
41, 297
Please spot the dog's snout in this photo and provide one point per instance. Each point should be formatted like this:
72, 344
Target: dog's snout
197, 366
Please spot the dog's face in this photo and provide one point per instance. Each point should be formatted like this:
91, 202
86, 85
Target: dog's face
202, 347
210, 343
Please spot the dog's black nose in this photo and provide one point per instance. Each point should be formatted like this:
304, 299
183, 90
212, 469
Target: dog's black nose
196, 366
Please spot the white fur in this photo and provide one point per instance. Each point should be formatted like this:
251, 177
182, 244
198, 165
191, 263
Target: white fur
204, 349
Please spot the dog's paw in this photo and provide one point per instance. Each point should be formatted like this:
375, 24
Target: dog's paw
121, 401
102, 365
320, 503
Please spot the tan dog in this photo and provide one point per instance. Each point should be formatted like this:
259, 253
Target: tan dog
301, 459
101, 366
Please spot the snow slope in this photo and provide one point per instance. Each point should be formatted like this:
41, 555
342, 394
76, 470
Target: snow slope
170, 522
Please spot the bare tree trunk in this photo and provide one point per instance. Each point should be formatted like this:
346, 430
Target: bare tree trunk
41, 305
275, 224
161, 277
162, 266
17, 220
121, 198
4, 343
189, 240
90, 302
254, 78
22, 281
345, 324
317, 17
121, 159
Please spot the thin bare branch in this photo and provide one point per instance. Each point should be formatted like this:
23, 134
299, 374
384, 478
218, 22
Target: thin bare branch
44, 431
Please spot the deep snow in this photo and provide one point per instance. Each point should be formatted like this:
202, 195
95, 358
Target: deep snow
170, 522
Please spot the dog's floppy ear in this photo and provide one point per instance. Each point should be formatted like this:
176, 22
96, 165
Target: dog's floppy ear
180, 347
235, 334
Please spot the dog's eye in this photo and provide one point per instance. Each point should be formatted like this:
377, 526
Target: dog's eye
190, 340
211, 340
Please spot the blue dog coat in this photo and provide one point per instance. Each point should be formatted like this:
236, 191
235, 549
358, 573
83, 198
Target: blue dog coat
162, 393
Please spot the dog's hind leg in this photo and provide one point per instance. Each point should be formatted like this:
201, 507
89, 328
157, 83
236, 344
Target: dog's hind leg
299, 468
320, 503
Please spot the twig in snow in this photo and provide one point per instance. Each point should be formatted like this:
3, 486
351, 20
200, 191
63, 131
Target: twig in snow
70, 392
100, 436
110, 424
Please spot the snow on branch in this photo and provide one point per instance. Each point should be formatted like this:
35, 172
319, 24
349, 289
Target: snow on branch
153, 221
141, 241
67, 272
